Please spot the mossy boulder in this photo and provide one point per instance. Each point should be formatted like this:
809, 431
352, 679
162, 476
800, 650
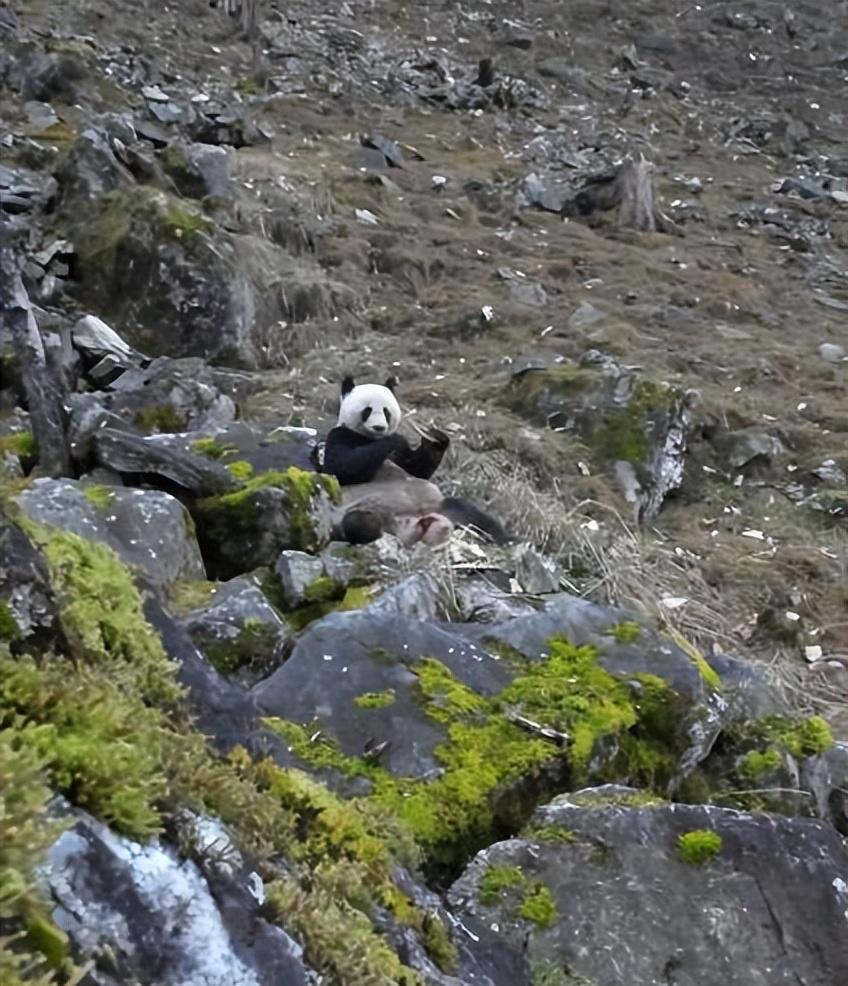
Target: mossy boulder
478, 731
629, 886
241, 531
148, 529
176, 284
634, 427
237, 629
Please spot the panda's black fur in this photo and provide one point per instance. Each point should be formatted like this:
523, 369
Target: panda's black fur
353, 457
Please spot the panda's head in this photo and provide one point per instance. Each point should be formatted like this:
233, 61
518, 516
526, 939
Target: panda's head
369, 409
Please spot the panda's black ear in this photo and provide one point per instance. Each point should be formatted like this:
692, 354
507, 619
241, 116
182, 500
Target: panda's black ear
391, 383
347, 386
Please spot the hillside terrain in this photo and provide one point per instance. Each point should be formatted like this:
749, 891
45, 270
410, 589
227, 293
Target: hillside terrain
604, 247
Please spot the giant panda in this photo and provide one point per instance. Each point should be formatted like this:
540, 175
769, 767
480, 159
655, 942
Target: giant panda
385, 481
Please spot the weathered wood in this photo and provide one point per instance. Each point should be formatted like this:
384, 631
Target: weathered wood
44, 393
635, 193
630, 190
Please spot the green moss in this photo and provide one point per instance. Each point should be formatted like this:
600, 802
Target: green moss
339, 940
100, 747
355, 597
800, 737
528, 899
710, 676
551, 834
106, 730
211, 448
624, 433
484, 753
572, 693
757, 765
534, 392
496, 880
627, 632
322, 589
438, 945
100, 497
147, 210
316, 749
9, 629
26, 831
162, 418
375, 700
539, 906
187, 595
445, 697
240, 470
254, 642
229, 514
102, 614
248, 86
698, 846
20, 443
623, 799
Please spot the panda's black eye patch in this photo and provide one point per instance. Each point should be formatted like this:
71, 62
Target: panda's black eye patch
366, 414
388, 415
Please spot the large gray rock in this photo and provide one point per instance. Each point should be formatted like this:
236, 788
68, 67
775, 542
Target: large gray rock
149, 530
381, 648
175, 284
635, 428
149, 917
599, 891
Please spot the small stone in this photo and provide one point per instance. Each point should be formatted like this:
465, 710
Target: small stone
297, 571
831, 352
155, 93
585, 316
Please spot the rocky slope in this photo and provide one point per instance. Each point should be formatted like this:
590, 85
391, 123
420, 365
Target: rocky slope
232, 752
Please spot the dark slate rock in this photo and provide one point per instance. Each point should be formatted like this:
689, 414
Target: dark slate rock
138, 457
25, 595
150, 917
769, 908
173, 395
272, 449
148, 529
826, 778
91, 169
179, 285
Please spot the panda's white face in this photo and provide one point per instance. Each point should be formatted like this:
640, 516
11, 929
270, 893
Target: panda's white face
371, 410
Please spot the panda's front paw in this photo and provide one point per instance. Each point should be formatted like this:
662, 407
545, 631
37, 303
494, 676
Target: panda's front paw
438, 437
